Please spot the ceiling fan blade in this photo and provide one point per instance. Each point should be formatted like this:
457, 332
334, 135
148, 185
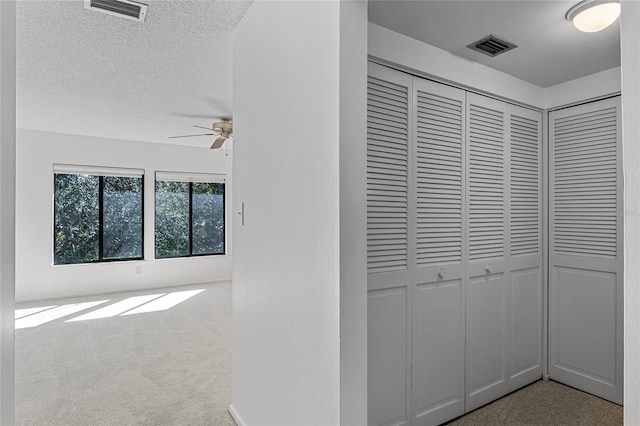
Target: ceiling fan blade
218, 143
202, 127
189, 136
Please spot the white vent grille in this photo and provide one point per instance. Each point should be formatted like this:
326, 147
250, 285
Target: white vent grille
122, 8
439, 142
585, 184
525, 186
387, 176
486, 183
492, 45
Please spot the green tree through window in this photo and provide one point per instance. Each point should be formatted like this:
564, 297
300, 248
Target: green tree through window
97, 218
189, 219
122, 218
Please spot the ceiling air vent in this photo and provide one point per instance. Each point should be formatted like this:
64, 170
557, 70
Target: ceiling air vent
123, 8
492, 45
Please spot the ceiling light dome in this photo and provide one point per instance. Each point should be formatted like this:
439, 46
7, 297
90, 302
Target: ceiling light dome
591, 16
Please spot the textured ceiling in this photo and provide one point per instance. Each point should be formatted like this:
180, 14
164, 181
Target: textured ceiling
550, 51
83, 72
88, 73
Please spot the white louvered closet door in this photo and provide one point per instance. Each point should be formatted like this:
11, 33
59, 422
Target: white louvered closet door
525, 277
487, 219
438, 293
585, 294
389, 245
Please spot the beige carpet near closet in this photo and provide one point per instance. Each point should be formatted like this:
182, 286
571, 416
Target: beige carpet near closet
545, 403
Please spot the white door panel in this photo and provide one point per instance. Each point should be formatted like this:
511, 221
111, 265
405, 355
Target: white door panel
486, 339
586, 328
389, 246
388, 358
526, 332
437, 355
585, 289
438, 273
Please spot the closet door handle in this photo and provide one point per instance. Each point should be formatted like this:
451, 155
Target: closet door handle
442, 273
489, 269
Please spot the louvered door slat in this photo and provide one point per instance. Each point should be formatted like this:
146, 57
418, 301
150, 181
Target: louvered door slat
486, 182
588, 161
439, 179
591, 141
569, 169
602, 152
525, 185
393, 111
387, 176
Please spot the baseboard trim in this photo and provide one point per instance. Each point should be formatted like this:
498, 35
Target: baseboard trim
545, 377
236, 417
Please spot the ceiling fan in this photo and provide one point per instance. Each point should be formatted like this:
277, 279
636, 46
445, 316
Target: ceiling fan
223, 129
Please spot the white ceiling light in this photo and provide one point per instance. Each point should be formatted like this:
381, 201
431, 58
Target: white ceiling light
591, 16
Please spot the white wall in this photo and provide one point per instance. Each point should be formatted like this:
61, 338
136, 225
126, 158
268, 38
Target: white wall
7, 206
287, 171
581, 89
353, 208
630, 34
423, 59
36, 278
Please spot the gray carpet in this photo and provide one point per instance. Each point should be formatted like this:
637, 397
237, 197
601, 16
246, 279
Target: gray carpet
158, 368
545, 403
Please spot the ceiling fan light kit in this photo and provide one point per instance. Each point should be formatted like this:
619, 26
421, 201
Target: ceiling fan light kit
591, 16
224, 126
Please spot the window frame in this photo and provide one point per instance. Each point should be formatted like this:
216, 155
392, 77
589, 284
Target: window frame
224, 220
101, 258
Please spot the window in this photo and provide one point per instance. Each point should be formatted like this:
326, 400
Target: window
189, 215
98, 214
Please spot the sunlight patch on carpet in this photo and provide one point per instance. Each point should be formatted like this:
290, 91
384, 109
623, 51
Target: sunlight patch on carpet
165, 302
30, 311
117, 308
55, 313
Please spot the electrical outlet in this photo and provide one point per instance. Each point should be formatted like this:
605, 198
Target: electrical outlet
138, 270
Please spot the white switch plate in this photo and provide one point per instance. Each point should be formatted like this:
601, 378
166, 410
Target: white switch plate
240, 214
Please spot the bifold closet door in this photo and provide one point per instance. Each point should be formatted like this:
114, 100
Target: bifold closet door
454, 250
438, 274
389, 247
504, 266
585, 294
487, 219
524, 256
